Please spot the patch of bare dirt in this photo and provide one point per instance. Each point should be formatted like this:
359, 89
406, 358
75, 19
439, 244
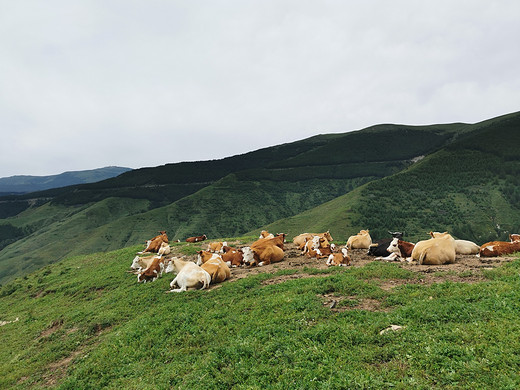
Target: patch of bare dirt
341, 303
55, 326
466, 269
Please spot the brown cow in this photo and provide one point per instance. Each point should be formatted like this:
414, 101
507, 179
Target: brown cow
153, 271
196, 239
277, 241
265, 251
213, 264
233, 257
339, 259
498, 248
156, 243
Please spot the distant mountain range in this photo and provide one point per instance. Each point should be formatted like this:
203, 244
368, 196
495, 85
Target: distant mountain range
23, 183
462, 178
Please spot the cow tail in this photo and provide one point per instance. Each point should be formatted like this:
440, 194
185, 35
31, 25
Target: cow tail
422, 257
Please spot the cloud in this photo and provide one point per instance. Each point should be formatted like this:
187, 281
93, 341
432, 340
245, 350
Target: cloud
93, 83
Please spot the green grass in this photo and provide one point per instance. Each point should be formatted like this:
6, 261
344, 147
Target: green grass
84, 323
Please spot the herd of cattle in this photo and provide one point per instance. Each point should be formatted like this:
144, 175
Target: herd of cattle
213, 265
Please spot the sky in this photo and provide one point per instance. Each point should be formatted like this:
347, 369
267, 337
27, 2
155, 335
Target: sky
91, 83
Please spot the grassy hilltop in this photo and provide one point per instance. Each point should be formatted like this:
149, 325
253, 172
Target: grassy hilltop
467, 183
84, 323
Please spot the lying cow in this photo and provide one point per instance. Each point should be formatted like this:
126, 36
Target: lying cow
232, 257
339, 259
216, 247
140, 263
462, 247
318, 247
154, 270
278, 241
362, 240
266, 234
262, 255
498, 248
435, 251
213, 264
399, 250
156, 243
302, 239
197, 238
380, 247
189, 275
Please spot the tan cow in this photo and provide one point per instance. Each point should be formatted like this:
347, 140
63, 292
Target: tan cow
462, 247
362, 240
435, 251
266, 234
213, 264
216, 247
301, 239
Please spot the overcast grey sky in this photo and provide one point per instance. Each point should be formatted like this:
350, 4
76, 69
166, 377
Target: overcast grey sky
86, 84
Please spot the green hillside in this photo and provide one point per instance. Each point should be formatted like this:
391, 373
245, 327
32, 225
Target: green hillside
218, 198
470, 188
84, 323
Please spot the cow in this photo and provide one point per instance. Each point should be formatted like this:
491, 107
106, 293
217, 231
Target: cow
462, 247
189, 275
435, 251
216, 247
140, 263
213, 264
277, 241
380, 247
399, 250
197, 238
339, 259
232, 257
318, 247
266, 234
498, 248
362, 240
262, 255
155, 243
301, 239
154, 270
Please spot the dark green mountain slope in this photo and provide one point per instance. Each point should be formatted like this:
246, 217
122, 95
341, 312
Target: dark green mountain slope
219, 198
470, 188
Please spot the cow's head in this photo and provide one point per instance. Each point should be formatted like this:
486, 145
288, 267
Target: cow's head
514, 237
394, 246
135, 263
248, 254
328, 236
